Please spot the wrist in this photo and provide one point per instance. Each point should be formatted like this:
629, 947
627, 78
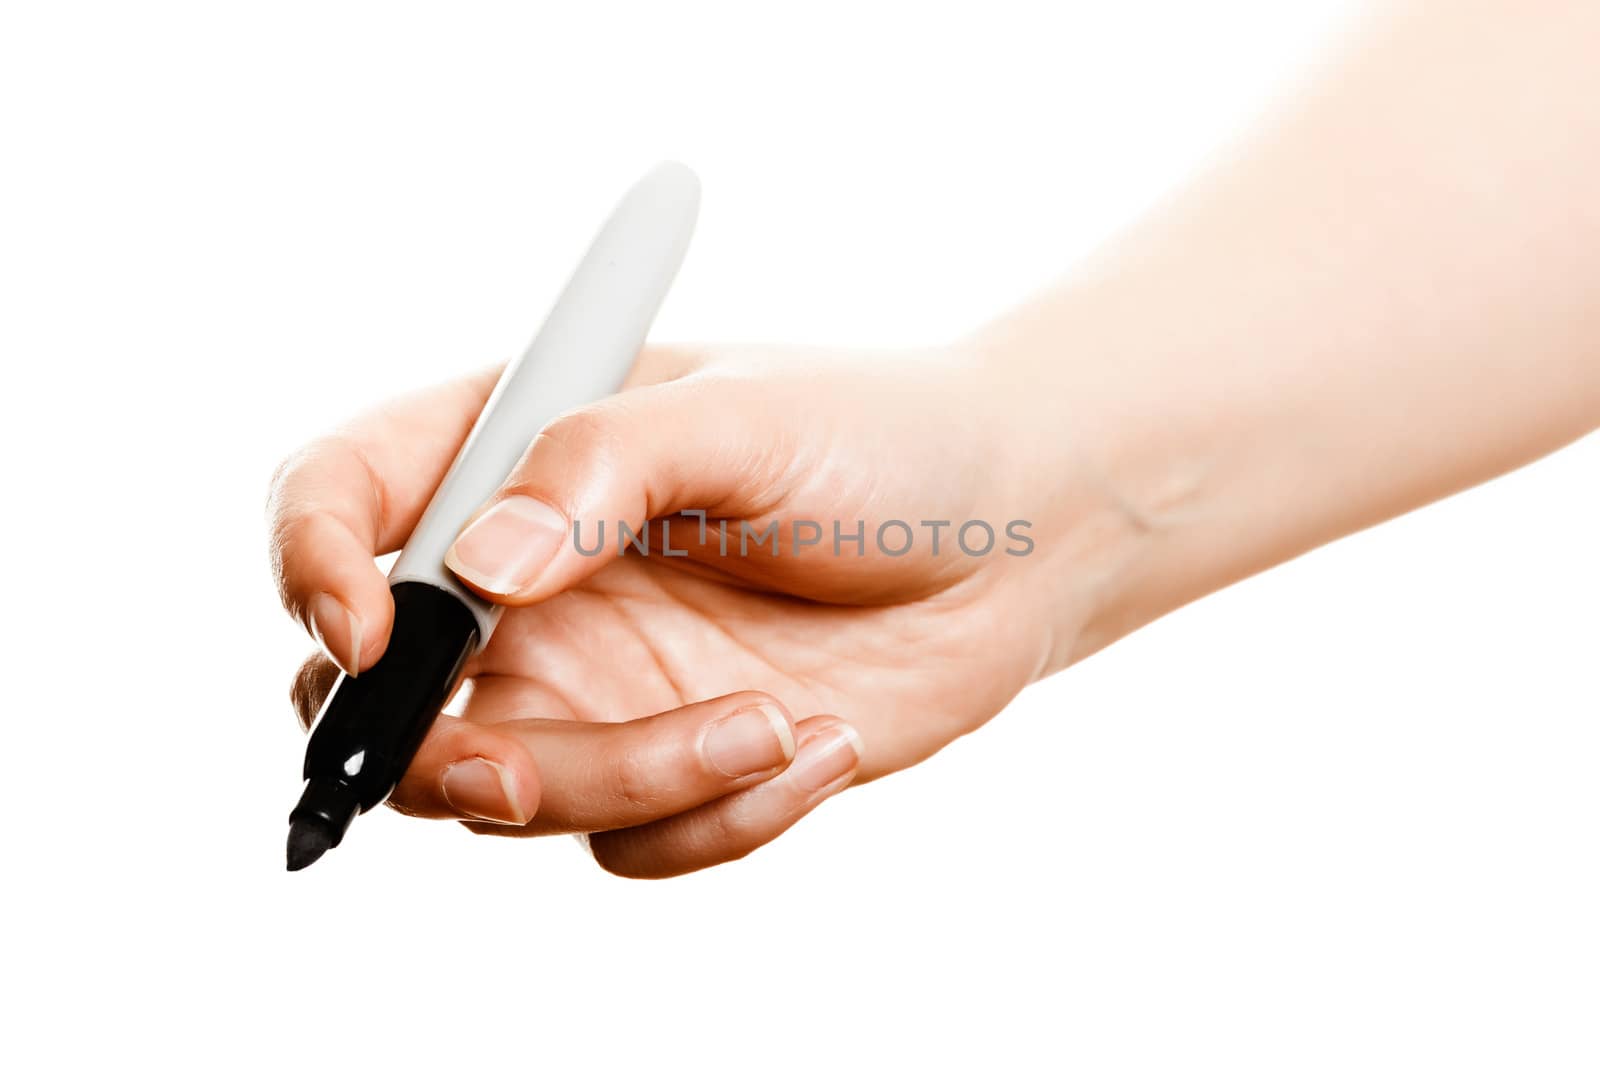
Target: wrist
1129, 477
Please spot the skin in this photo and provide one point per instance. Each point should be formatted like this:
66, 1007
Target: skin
1390, 293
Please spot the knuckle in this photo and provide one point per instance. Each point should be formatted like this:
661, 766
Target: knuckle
292, 532
658, 364
293, 473
288, 514
585, 433
629, 781
728, 832
331, 473
280, 511
275, 483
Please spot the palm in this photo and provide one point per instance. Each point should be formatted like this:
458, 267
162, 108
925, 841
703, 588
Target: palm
643, 636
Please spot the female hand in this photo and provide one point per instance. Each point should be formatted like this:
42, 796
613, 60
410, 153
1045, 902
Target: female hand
684, 705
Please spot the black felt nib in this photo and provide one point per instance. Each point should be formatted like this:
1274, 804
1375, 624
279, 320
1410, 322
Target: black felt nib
307, 842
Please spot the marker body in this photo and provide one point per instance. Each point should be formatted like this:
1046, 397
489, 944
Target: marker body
371, 726
583, 352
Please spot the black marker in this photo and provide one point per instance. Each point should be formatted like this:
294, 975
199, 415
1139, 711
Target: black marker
371, 725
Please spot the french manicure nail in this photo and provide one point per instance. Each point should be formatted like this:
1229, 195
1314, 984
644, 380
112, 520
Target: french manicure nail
336, 627
481, 789
507, 547
756, 738
827, 758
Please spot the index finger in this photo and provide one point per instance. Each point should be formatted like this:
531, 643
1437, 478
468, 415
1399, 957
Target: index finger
353, 495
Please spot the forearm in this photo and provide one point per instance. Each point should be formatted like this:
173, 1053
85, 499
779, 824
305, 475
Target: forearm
1392, 294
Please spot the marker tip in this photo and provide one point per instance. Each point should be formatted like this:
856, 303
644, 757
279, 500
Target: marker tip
307, 842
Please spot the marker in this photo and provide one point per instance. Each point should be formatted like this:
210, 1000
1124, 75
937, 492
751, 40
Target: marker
371, 725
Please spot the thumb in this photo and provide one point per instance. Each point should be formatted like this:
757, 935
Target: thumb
648, 452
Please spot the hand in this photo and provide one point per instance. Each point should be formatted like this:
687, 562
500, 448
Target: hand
682, 710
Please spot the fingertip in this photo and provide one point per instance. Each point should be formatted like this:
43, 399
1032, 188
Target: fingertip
376, 618
337, 630
480, 789
833, 724
353, 638
504, 552
782, 725
829, 755
771, 705
754, 737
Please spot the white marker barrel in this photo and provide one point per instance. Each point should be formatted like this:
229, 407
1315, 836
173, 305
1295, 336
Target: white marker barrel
583, 352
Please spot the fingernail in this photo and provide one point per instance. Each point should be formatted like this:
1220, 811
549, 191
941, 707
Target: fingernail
757, 738
482, 789
827, 758
336, 627
507, 547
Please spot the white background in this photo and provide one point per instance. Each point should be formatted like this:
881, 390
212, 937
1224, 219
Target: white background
1342, 813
